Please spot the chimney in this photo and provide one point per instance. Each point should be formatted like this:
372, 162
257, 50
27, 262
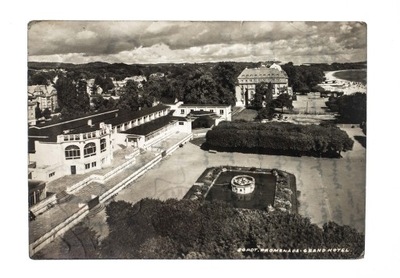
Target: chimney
89, 122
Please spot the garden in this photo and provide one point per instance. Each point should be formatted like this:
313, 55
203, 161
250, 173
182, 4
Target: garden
274, 189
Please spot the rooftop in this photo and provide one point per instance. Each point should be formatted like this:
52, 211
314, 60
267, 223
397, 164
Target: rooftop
149, 127
48, 132
205, 105
263, 72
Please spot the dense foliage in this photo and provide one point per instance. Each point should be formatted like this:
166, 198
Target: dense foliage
72, 96
351, 108
303, 78
279, 138
153, 229
207, 83
203, 122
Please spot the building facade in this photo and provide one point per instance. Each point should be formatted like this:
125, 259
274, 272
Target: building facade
43, 95
85, 144
249, 78
219, 112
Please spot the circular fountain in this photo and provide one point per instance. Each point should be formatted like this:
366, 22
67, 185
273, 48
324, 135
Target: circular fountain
243, 184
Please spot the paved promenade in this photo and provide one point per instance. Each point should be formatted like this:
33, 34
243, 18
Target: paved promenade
74, 202
331, 189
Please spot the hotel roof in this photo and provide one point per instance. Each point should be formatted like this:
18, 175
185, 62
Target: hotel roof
273, 74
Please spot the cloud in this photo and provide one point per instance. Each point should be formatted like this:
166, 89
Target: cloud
184, 41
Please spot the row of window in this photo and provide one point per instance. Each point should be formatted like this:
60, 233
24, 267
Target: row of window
87, 165
74, 152
253, 80
221, 111
76, 137
139, 121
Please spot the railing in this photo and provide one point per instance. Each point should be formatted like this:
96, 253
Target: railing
76, 217
58, 230
43, 205
83, 136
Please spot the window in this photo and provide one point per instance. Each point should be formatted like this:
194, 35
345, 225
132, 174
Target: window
89, 149
72, 152
87, 166
94, 164
181, 123
182, 111
103, 145
221, 112
212, 110
52, 174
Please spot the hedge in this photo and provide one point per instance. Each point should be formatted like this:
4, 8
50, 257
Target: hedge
279, 138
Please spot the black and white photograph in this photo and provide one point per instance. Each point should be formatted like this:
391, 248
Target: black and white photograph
197, 139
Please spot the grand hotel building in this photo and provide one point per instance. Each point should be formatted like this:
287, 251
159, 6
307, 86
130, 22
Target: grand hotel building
250, 77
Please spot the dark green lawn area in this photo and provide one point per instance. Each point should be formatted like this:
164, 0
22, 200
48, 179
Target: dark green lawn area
247, 115
263, 195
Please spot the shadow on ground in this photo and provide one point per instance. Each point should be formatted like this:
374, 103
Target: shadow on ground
362, 140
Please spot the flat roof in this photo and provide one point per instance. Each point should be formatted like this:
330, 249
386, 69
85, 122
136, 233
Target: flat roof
48, 132
149, 127
204, 105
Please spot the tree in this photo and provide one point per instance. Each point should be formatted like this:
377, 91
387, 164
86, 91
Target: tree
129, 99
46, 113
72, 97
38, 112
351, 108
171, 229
202, 89
225, 76
263, 95
283, 100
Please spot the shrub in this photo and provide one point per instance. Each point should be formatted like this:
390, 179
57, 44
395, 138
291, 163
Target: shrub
280, 138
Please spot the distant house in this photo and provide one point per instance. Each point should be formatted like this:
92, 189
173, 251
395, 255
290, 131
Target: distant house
44, 95
249, 77
156, 75
92, 88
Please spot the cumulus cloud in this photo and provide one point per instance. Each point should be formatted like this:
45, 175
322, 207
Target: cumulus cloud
156, 42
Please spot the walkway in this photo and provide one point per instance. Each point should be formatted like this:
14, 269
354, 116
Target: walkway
72, 203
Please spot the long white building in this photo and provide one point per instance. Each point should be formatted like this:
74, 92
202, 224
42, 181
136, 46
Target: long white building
81, 145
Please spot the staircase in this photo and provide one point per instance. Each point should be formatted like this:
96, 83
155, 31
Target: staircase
63, 197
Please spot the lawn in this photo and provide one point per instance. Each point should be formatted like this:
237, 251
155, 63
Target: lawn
247, 115
263, 195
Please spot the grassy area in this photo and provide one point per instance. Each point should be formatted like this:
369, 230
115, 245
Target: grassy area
263, 195
247, 115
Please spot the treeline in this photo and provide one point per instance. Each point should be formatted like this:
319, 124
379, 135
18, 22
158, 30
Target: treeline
279, 138
204, 83
351, 108
303, 78
185, 229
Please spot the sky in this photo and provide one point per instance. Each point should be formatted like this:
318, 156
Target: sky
132, 42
